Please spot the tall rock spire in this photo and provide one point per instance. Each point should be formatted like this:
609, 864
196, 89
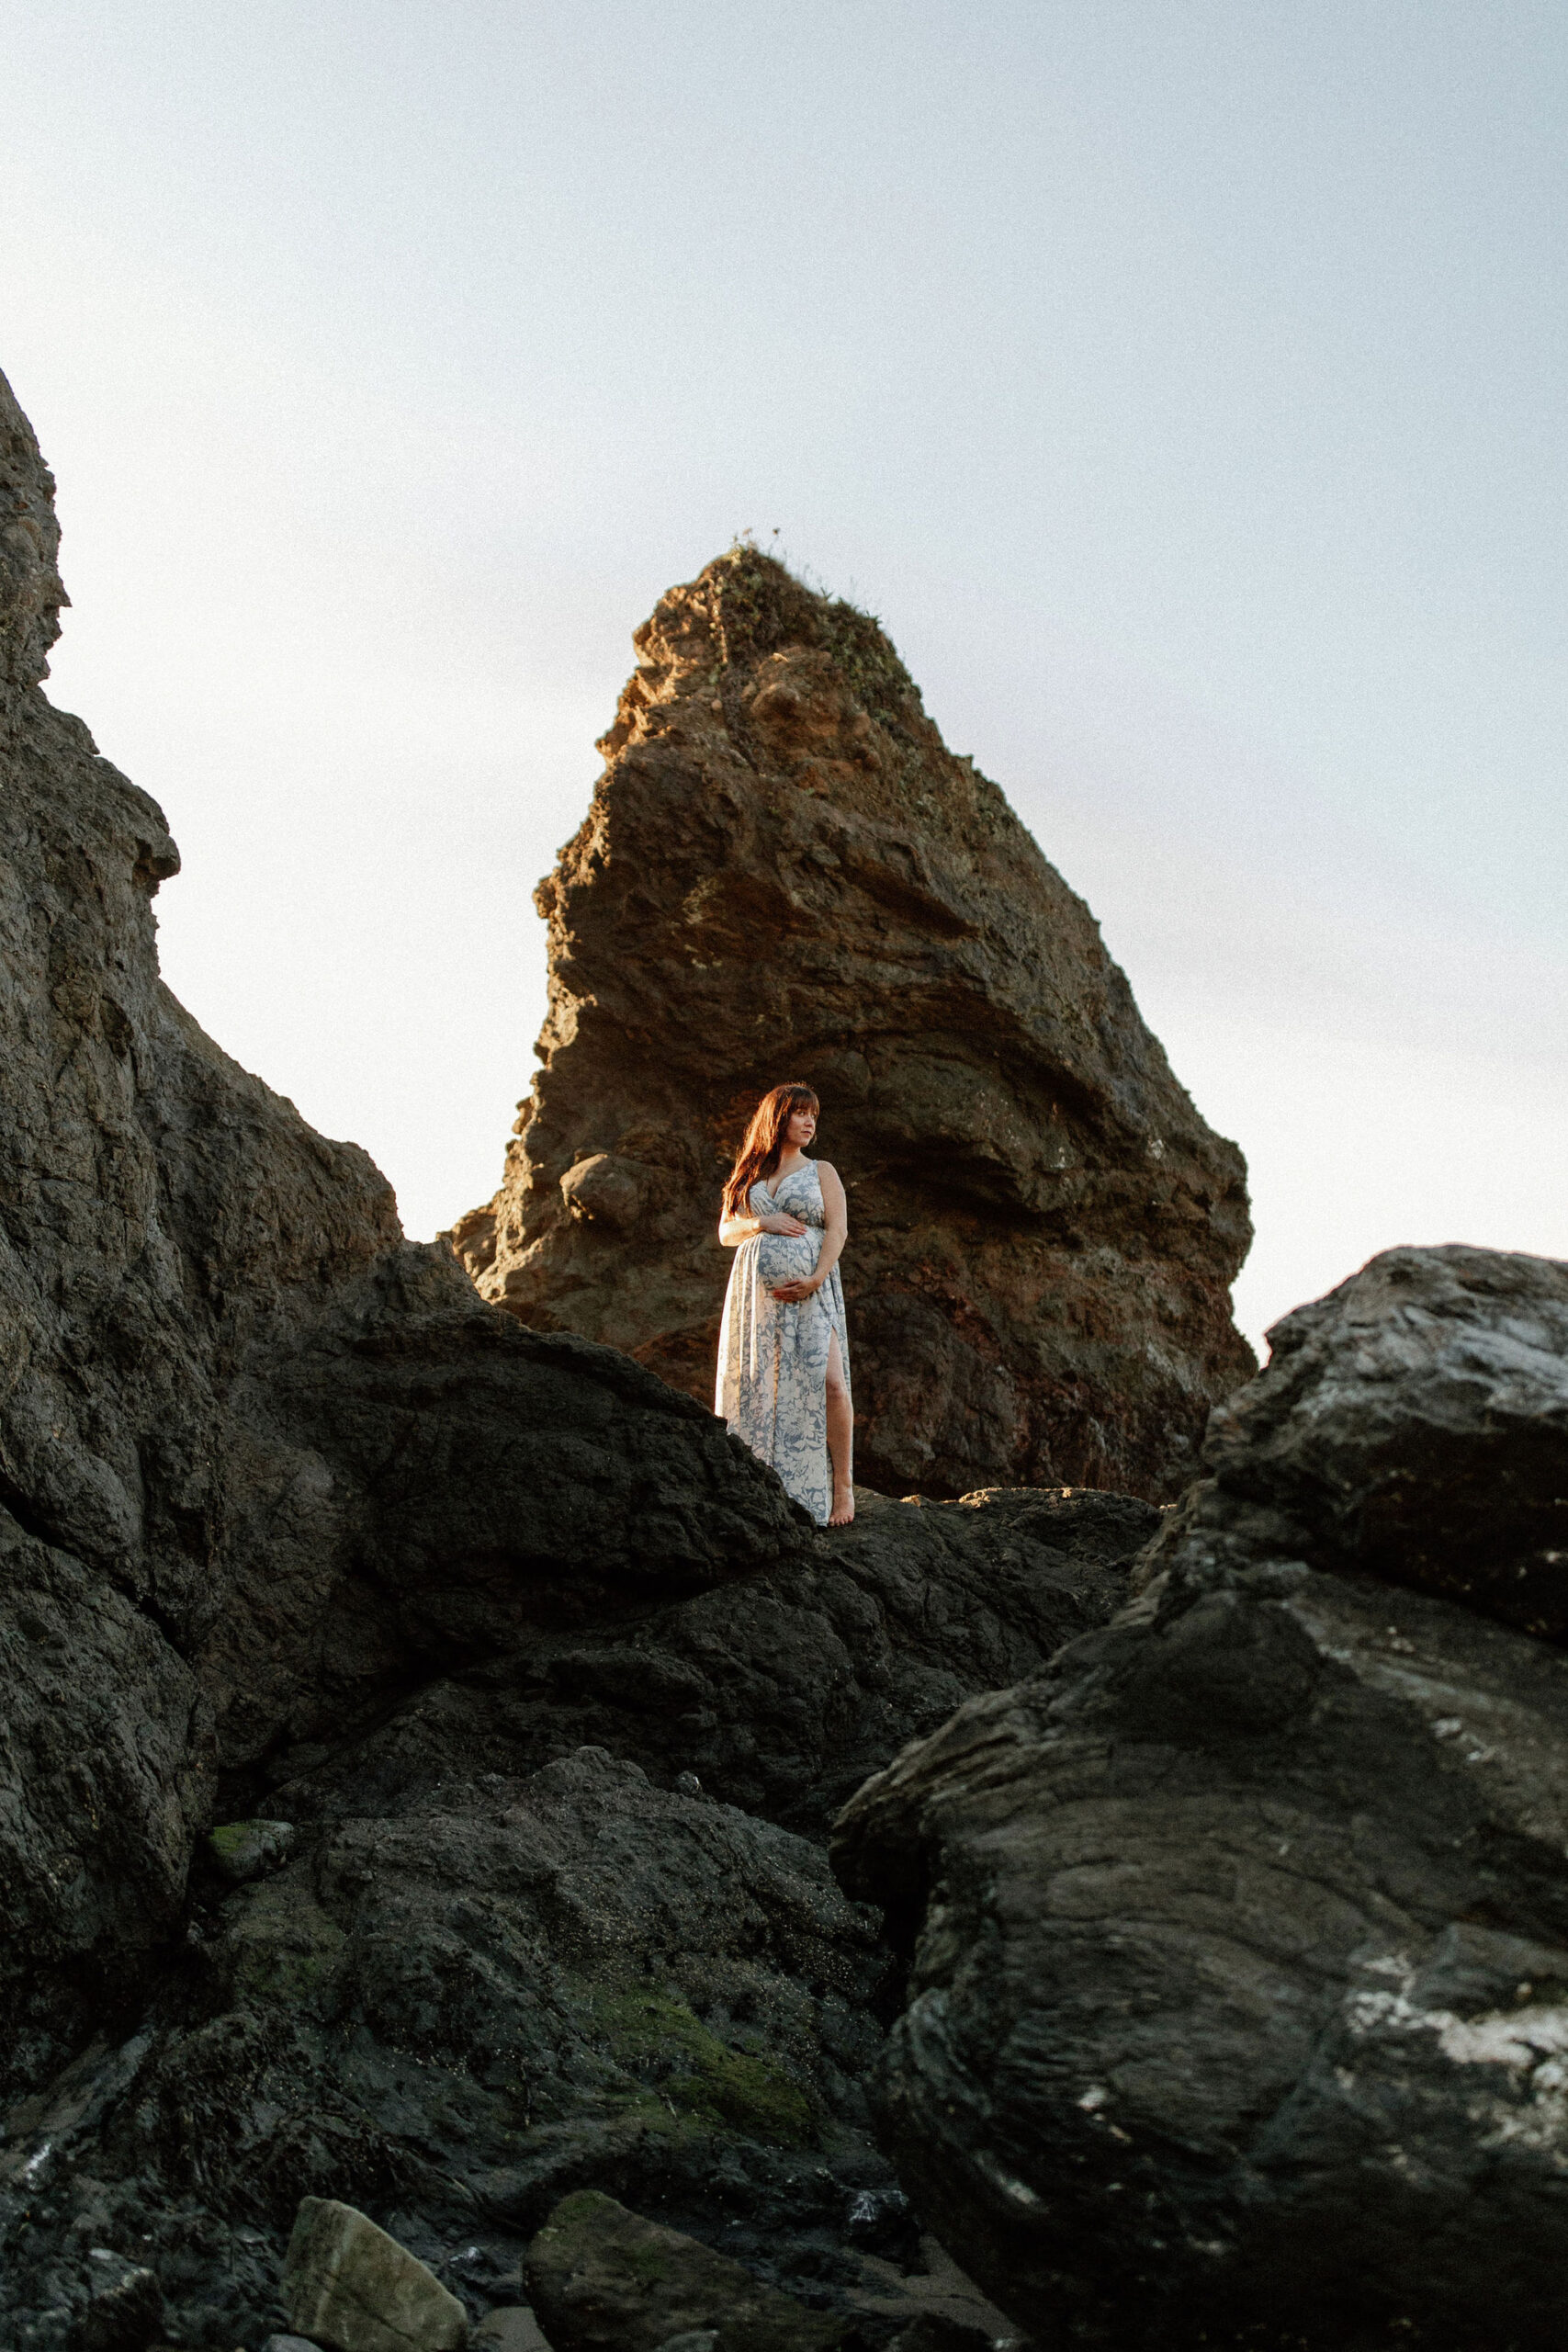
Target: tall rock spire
784, 874
31, 591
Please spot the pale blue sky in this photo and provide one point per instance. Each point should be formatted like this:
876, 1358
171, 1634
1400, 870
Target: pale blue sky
1183, 385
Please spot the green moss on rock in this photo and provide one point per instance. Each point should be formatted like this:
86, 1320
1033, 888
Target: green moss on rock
653, 2037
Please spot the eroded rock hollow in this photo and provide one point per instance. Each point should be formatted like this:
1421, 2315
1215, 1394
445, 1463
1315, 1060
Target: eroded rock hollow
785, 874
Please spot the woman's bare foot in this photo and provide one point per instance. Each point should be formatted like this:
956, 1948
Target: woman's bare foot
843, 1508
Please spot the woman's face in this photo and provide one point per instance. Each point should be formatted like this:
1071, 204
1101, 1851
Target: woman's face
801, 1128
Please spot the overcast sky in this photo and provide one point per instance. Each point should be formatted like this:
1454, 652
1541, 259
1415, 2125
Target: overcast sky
1181, 383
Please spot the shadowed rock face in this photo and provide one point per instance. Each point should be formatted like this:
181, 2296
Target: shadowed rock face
293, 1524
489, 1960
263, 1465
1239, 1935
786, 874
780, 1692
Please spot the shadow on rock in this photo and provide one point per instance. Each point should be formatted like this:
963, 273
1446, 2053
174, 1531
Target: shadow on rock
1239, 1937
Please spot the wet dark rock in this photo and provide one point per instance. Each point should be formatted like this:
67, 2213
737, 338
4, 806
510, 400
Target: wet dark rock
606, 2280
1238, 1936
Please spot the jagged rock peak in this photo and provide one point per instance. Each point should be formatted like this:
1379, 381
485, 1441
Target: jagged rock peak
31, 591
785, 874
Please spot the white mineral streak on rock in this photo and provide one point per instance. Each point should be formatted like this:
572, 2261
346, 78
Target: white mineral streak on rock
1528, 2041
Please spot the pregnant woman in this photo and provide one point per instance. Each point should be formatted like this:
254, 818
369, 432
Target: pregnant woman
784, 1347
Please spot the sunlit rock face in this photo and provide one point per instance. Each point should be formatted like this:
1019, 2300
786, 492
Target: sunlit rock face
784, 874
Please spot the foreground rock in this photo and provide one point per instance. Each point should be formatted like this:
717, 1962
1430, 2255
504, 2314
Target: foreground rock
1239, 1936
471, 1977
349, 2285
606, 2280
450, 2013
785, 874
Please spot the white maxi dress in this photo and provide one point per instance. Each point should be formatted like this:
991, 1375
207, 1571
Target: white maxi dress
772, 1353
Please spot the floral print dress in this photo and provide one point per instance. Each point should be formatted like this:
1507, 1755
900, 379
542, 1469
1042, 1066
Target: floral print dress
772, 1354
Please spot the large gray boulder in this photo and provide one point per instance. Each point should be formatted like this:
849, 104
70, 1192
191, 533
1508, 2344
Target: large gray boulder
1239, 1937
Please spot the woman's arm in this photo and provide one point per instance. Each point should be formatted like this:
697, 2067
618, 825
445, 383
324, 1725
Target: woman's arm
837, 1213
734, 1230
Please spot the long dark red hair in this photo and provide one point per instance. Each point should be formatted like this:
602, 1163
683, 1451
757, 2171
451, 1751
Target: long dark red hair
763, 1148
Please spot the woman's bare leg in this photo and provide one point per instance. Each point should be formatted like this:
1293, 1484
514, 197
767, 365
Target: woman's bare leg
840, 1439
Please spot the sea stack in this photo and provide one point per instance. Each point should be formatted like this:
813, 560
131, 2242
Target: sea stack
785, 874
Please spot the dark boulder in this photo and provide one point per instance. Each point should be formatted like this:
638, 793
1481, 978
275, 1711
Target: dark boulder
780, 1692
1238, 1938
1413, 1424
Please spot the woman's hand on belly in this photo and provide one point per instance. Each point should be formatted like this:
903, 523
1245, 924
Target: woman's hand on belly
784, 1262
792, 1293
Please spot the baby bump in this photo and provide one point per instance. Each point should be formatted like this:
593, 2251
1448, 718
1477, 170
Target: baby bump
787, 1257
